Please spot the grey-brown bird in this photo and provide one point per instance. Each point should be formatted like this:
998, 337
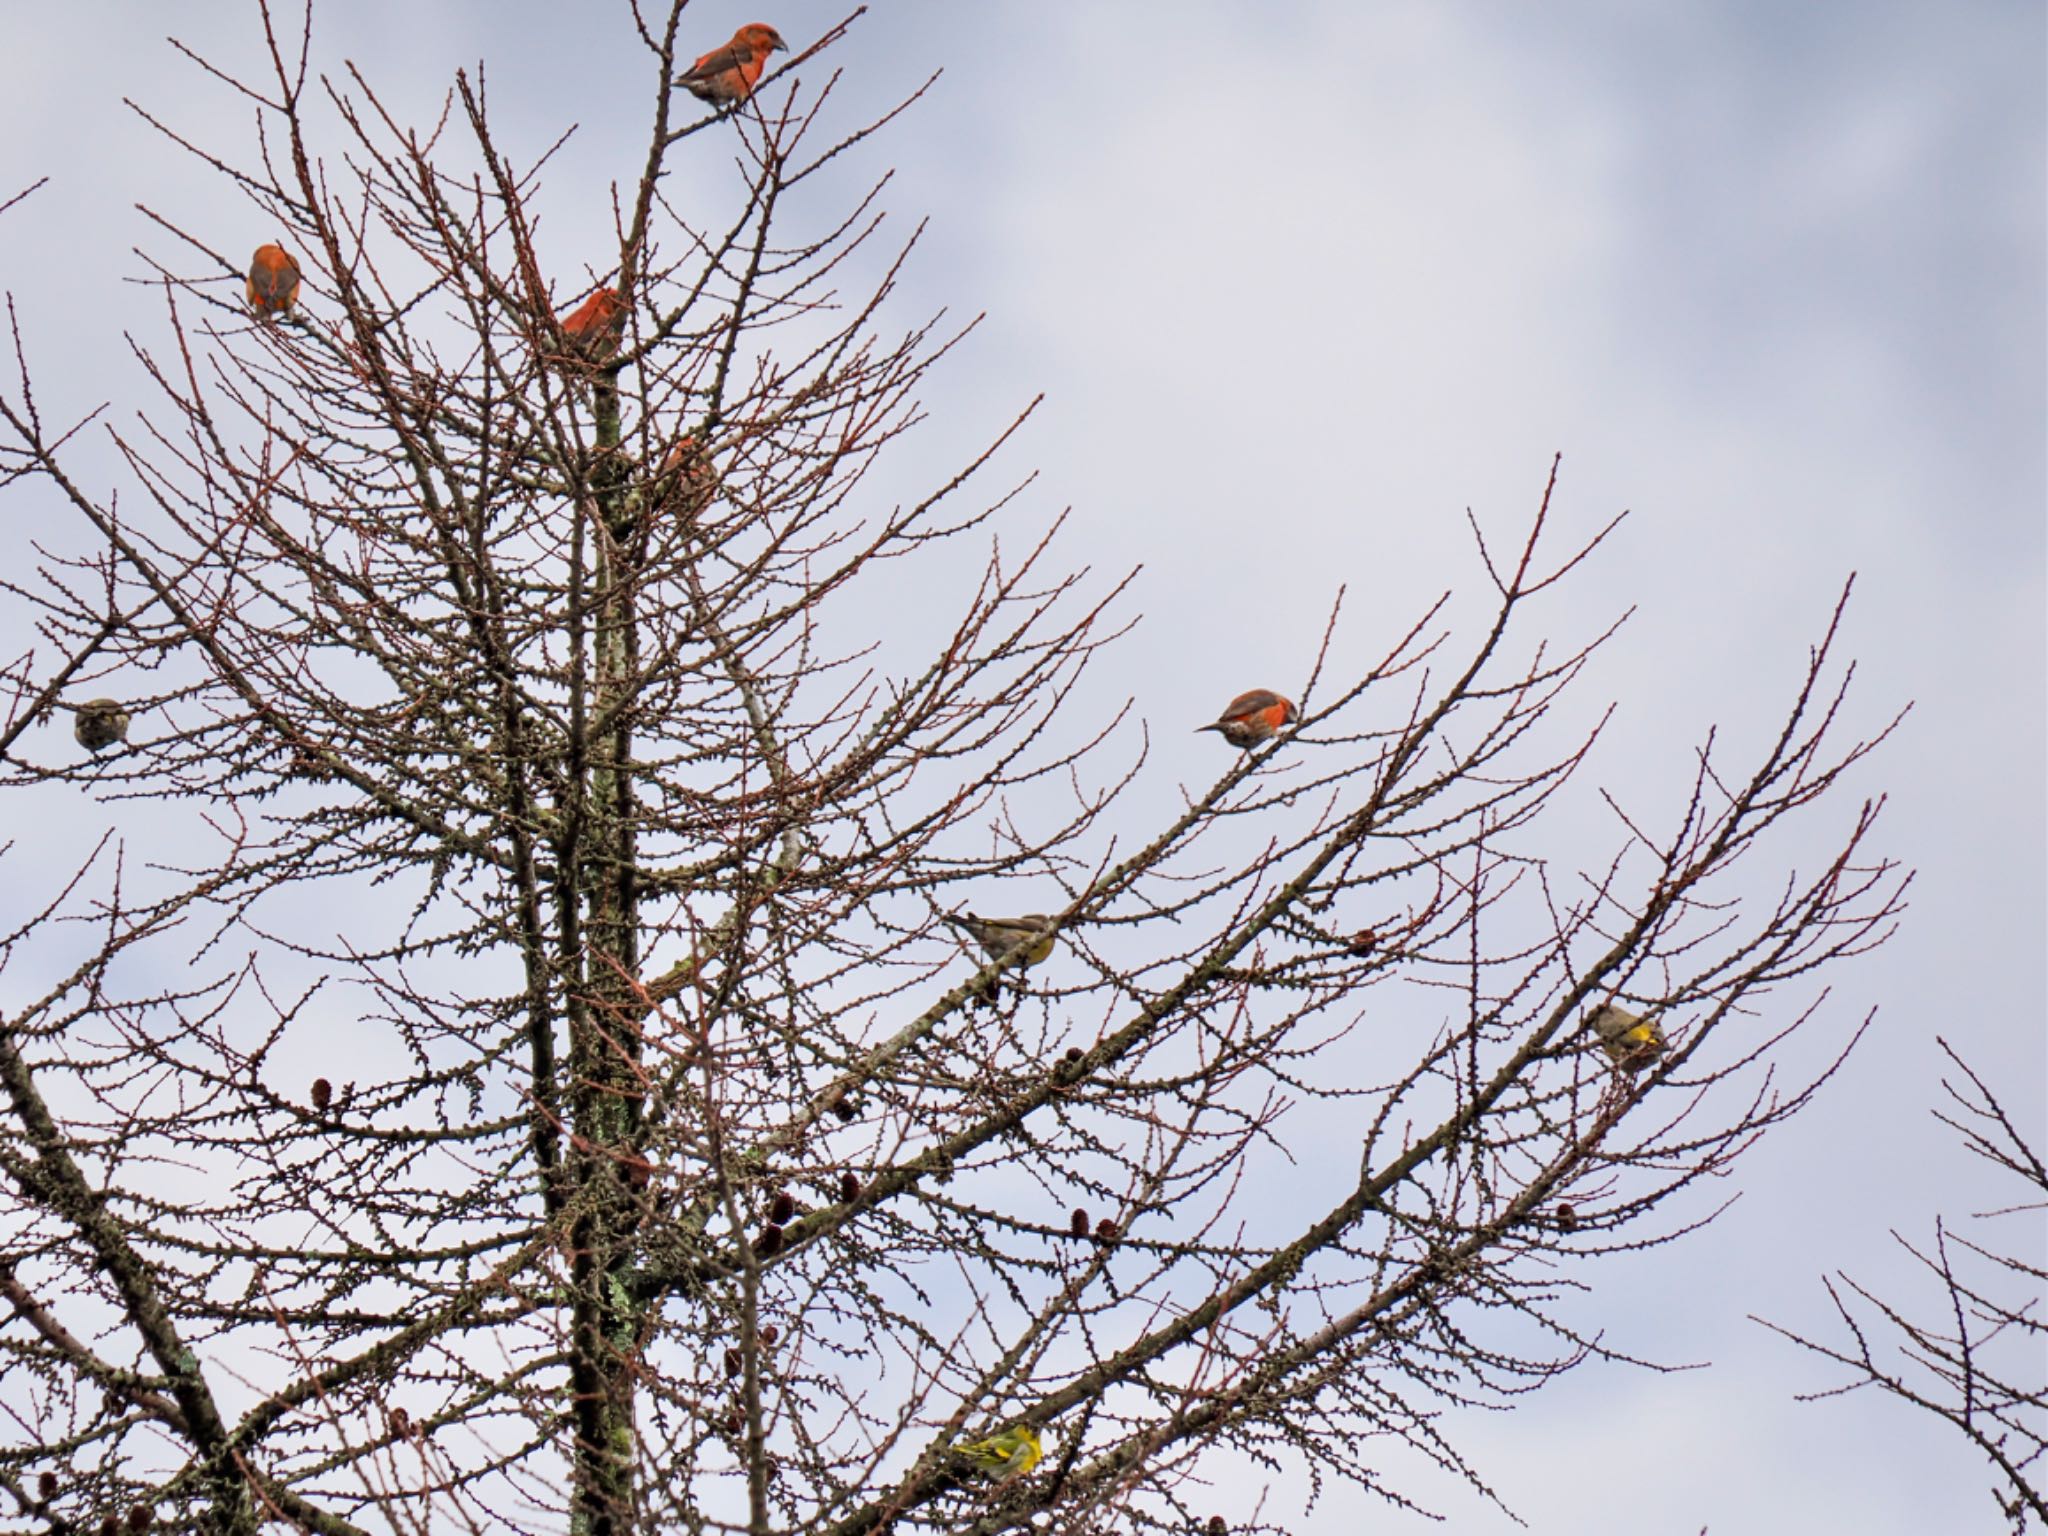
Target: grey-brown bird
1631, 1041
1253, 717
100, 723
1018, 942
686, 481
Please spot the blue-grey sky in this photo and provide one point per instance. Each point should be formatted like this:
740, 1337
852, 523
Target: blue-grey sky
1301, 283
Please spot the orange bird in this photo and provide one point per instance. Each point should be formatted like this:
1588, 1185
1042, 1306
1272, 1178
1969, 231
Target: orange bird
1253, 717
273, 280
725, 76
593, 327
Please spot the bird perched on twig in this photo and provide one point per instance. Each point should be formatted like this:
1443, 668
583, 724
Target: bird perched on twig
100, 723
273, 280
1631, 1041
593, 328
674, 497
686, 481
1253, 717
725, 76
1017, 942
1010, 1454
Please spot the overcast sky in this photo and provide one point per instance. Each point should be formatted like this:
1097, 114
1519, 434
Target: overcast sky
1303, 282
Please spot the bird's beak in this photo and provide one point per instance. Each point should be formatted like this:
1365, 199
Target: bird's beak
1213, 725
780, 46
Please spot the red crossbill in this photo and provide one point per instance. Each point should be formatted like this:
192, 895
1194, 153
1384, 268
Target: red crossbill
593, 327
1253, 717
273, 280
725, 76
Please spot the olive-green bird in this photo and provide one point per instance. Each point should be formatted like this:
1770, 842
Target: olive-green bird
1010, 1454
1631, 1041
1018, 942
100, 723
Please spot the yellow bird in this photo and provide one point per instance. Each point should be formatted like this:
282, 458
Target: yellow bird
1010, 1454
1018, 942
1631, 1041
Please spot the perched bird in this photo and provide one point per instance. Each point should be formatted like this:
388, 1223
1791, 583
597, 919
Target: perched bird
1253, 717
1018, 942
725, 76
273, 280
1629, 1039
593, 327
100, 723
1013, 1452
687, 481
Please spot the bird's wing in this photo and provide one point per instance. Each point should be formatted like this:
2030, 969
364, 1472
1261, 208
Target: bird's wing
717, 62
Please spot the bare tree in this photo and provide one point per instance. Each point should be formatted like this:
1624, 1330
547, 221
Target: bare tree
1973, 1356
665, 1160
